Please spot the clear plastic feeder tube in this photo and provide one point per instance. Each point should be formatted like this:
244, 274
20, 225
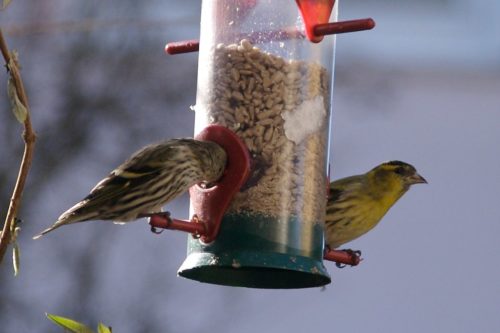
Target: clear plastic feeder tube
259, 76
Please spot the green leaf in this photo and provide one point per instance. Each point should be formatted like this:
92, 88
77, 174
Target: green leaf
4, 5
16, 251
15, 258
69, 324
18, 108
101, 328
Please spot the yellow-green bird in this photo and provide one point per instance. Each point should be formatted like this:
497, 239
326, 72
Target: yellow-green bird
356, 204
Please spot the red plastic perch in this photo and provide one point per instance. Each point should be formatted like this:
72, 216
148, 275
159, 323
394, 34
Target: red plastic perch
351, 258
331, 28
164, 221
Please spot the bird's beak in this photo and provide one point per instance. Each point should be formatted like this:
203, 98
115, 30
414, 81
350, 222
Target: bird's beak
417, 179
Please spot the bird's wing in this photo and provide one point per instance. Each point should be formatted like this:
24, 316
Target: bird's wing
119, 182
342, 189
335, 193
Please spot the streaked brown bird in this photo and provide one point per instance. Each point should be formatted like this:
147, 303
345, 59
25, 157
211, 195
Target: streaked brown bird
148, 180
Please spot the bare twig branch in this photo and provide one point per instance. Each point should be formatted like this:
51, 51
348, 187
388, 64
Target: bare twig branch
29, 143
89, 25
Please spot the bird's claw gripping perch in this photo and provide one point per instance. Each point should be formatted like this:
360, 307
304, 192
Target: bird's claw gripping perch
156, 231
354, 254
164, 221
343, 258
165, 215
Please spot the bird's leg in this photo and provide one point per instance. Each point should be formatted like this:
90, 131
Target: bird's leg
340, 265
351, 253
156, 231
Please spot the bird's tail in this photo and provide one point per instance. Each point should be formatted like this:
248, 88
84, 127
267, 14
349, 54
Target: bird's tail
72, 215
49, 229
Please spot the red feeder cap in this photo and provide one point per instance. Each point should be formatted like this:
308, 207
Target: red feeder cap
315, 12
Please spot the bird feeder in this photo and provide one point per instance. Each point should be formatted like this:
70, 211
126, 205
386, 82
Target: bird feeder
265, 79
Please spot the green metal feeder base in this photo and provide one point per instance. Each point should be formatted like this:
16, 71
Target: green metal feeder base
259, 251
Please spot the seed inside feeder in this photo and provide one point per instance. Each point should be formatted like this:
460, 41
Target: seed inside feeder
306, 119
278, 107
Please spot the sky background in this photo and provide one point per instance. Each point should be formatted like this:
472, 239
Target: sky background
422, 87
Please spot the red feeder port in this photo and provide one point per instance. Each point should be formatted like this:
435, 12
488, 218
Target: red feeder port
209, 205
315, 12
185, 46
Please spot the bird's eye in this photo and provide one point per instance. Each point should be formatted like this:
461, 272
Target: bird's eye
400, 171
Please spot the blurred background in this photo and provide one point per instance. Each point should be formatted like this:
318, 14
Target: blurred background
422, 87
